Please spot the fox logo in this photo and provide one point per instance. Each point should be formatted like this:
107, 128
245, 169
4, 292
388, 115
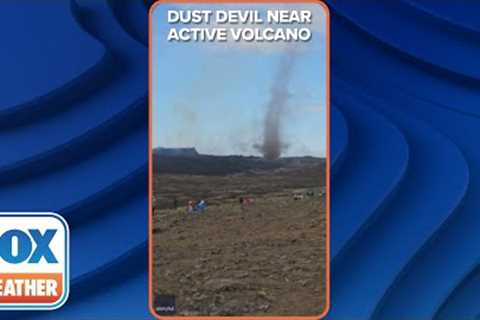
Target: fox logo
34, 261
17, 246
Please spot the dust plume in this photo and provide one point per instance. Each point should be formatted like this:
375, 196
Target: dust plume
273, 145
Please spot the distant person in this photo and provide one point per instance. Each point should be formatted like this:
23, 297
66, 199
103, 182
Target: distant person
298, 196
245, 202
190, 206
201, 206
175, 203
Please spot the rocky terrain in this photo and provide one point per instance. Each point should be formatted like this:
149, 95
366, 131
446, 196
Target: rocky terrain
265, 258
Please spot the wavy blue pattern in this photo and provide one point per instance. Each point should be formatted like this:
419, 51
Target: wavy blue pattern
36, 74
462, 14
131, 15
30, 55
370, 137
458, 235
406, 220
368, 14
414, 63
463, 302
339, 129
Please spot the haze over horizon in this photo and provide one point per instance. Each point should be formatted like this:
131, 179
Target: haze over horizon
193, 149
217, 98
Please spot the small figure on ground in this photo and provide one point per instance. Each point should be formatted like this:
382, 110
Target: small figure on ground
201, 206
298, 196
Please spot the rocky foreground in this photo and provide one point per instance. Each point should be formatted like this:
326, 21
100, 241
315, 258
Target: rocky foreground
264, 259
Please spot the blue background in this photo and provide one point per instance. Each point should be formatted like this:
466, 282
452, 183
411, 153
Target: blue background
405, 151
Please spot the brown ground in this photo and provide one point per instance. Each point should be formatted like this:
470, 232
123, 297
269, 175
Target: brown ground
265, 259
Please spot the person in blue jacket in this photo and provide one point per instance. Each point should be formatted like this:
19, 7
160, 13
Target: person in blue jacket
201, 206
